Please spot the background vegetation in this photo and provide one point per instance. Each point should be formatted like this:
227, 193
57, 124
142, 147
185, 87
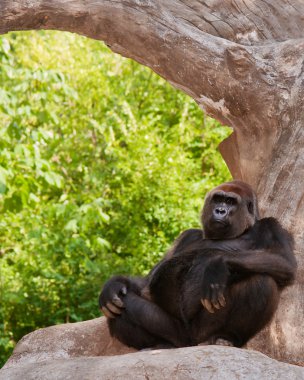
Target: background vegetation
102, 164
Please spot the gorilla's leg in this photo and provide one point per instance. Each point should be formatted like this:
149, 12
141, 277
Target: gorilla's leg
131, 334
143, 324
250, 305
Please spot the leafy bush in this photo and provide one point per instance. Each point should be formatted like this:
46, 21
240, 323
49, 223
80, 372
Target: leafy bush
102, 164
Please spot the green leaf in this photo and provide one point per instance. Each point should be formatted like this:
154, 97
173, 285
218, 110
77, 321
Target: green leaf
72, 225
103, 243
53, 179
6, 47
3, 176
13, 203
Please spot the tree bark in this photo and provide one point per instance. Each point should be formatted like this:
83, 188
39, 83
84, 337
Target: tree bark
243, 63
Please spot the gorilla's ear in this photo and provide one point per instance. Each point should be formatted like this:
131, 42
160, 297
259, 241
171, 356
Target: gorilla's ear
250, 207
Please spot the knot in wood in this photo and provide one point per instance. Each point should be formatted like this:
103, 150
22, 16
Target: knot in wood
239, 62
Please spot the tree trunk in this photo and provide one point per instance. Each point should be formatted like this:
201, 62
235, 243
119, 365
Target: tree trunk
243, 62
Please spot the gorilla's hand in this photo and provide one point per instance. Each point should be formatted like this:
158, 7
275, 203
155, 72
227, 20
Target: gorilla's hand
111, 297
214, 284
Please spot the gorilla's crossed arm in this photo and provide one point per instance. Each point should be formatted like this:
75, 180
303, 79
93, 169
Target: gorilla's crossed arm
222, 283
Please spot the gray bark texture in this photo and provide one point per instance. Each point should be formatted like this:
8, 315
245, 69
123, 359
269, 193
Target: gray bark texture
84, 350
243, 63
195, 363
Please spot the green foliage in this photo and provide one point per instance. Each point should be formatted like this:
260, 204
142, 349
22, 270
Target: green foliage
102, 164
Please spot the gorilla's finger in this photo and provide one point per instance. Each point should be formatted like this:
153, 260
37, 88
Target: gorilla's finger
206, 292
107, 313
216, 305
207, 305
222, 300
114, 309
123, 290
215, 288
117, 301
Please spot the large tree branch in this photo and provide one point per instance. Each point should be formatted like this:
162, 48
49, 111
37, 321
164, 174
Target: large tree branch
237, 85
245, 22
180, 41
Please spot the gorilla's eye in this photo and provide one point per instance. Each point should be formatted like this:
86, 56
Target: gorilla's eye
250, 207
217, 198
222, 198
231, 201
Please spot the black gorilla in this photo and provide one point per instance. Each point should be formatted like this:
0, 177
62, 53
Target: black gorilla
219, 285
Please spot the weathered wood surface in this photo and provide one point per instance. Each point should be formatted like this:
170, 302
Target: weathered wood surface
77, 351
243, 62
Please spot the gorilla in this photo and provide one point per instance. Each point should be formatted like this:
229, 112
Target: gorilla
216, 285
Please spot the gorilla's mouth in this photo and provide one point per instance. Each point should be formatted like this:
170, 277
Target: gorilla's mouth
222, 222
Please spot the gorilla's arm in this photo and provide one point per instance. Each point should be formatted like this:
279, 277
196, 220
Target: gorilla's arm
224, 270
111, 300
273, 257
280, 268
111, 297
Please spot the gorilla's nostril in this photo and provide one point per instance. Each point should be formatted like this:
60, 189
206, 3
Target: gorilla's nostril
220, 211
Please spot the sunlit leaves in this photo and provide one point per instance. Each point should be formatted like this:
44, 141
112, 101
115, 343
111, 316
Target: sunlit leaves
102, 164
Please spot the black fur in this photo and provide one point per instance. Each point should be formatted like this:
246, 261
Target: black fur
207, 289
